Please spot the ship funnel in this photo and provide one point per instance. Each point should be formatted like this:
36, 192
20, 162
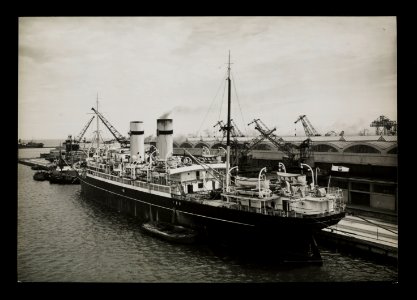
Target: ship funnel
164, 142
137, 141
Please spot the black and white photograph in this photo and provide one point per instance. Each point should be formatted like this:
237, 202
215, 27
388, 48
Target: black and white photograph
207, 149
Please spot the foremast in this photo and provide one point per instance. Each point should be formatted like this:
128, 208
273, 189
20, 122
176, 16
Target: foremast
228, 127
98, 130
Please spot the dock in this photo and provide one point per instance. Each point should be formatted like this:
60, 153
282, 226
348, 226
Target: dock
367, 235
35, 162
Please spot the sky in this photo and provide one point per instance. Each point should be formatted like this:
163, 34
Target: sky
339, 71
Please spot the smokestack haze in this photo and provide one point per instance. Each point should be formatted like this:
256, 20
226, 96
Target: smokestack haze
181, 110
166, 114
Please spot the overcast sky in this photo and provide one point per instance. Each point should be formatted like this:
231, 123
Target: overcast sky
339, 71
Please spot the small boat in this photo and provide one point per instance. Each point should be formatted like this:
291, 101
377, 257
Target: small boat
39, 167
66, 175
251, 182
171, 232
41, 176
31, 144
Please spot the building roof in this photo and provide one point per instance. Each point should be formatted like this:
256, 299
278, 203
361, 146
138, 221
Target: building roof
388, 138
360, 138
339, 144
381, 145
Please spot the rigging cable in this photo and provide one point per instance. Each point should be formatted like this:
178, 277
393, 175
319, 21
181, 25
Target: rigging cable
211, 104
221, 104
238, 102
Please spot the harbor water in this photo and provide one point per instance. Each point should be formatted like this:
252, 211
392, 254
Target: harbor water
63, 237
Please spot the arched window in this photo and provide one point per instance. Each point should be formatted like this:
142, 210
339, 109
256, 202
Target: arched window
393, 151
218, 145
324, 148
186, 145
361, 149
201, 145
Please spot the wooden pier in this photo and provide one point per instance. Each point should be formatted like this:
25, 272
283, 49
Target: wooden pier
35, 162
367, 235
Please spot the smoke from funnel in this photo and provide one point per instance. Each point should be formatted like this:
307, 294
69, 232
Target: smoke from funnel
181, 109
166, 114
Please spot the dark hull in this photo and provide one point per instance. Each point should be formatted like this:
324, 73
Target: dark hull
41, 176
227, 226
38, 145
63, 178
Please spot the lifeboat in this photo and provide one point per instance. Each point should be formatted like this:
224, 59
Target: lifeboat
251, 182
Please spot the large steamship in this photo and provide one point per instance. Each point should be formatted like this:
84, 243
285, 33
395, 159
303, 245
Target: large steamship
279, 214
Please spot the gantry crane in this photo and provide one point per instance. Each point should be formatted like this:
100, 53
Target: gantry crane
308, 128
120, 138
389, 127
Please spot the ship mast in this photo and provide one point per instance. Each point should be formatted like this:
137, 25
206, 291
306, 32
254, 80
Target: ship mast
98, 137
228, 127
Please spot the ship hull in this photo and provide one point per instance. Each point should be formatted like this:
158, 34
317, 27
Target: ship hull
39, 145
231, 227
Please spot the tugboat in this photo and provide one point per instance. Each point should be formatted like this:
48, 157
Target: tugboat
251, 214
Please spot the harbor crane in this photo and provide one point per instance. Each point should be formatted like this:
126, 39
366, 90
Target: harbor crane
308, 128
81, 134
74, 144
292, 157
234, 130
384, 126
267, 133
120, 138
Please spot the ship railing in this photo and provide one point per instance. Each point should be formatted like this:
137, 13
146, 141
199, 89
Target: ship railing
334, 191
141, 184
337, 194
150, 186
160, 188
